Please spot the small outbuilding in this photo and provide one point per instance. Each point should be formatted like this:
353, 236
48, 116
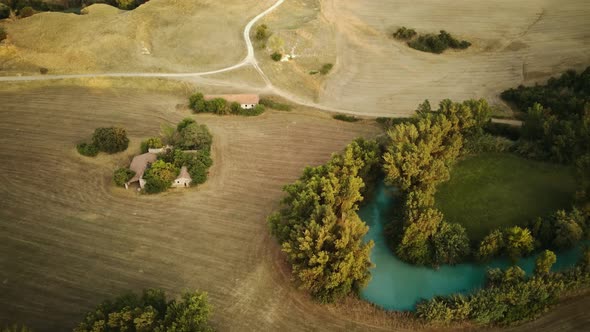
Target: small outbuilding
139, 164
246, 101
183, 180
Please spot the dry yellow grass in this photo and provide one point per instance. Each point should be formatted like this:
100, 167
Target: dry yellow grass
180, 36
514, 42
307, 35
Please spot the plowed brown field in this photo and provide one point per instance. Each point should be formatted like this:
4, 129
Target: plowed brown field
69, 238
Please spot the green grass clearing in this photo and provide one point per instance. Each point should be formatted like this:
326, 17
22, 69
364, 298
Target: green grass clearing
496, 190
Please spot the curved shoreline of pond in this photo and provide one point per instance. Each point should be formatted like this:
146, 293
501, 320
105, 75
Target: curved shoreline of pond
396, 285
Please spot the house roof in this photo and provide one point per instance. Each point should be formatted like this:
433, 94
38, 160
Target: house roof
184, 174
139, 165
242, 98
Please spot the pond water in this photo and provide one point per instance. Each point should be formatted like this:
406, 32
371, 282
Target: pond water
396, 285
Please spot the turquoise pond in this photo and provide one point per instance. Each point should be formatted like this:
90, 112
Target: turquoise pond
396, 285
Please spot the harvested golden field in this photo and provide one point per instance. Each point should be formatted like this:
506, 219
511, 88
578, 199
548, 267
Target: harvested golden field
514, 42
159, 36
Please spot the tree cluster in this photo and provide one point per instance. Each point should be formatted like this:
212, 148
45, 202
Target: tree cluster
556, 127
557, 120
561, 230
514, 242
318, 226
509, 296
159, 176
430, 42
110, 140
151, 143
418, 157
122, 175
150, 312
221, 106
192, 149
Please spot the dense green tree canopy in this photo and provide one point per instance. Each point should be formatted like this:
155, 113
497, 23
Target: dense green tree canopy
519, 242
110, 140
318, 227
150, 312
159, 176
544, 262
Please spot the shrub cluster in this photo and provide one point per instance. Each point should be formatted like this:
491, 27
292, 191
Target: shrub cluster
430, 42
318, 227
346, 118
26, 12
150, 312
487, 143
221, 106
504, 130
88, 150
437, 43
262, 32
509, 296
151, 143
326, 68
159, 176
266, 102
110, 140
404, 33
122, 175
276, 56
197, 163
514, 242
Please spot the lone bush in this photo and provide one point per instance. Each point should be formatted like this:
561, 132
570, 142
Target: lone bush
346, 118
26, 12
326, 68
122, 175
88, 150
43, 70
262, 32
110, 140
3, 34
276, 56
